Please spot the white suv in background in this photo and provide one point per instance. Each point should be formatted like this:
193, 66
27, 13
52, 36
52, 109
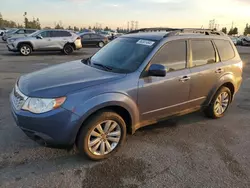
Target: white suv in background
46, 40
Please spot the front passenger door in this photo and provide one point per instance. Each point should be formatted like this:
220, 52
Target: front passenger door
46, 43
163, 96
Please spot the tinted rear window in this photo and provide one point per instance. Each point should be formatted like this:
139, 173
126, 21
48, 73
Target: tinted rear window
203, 52
225, 49
30, 31
61, 34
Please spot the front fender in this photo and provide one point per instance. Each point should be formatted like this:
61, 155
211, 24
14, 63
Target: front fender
96, 103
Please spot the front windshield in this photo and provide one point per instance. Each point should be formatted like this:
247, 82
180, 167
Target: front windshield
123, 55
11, 30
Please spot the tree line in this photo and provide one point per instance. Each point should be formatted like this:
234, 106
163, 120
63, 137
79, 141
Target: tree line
234, 31
35, 24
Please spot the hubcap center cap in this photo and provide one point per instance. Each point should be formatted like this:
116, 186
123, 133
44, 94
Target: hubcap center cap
104, 137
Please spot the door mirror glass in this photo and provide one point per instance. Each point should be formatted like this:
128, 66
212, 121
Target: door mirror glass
39, 37
157, 70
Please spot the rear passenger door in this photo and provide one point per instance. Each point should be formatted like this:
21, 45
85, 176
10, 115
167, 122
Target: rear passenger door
205, 70
60, 38
94, 39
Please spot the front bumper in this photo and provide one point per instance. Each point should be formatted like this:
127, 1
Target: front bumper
12, 48
57, 128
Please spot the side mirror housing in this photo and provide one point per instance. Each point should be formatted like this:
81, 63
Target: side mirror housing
39, 37
157, 70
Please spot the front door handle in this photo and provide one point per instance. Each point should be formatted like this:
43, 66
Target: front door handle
185, 78
219, 70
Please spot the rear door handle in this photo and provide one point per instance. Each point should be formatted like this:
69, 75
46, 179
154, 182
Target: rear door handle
185, 78
219, 70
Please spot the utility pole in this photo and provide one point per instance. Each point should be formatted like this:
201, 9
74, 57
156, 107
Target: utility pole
128, 26
132, 25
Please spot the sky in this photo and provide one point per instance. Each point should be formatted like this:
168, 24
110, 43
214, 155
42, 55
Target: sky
116, 13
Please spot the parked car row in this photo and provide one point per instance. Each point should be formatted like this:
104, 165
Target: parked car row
242, 40
17, 33
3, 30
26, 41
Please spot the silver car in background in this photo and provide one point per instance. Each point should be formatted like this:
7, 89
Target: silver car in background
16, 33
46, 40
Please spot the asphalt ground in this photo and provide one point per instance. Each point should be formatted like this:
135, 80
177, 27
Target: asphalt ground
190, 151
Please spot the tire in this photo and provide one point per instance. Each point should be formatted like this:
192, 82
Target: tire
101, 44
25, 49
93, 150
68, 49
217, 107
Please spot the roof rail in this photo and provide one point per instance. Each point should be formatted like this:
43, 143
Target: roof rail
155, 29
176, 31
195, 31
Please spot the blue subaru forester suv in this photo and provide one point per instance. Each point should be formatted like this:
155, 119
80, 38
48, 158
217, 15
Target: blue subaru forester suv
136, 80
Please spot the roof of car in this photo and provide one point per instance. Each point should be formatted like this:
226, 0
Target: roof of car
147, 35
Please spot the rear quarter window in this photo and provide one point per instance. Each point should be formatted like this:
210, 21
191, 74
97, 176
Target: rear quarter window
225, 49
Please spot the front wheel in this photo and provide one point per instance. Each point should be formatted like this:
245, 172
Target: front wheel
219, 103
25, 49
102, 135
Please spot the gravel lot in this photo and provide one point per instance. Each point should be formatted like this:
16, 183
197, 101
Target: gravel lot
190, 151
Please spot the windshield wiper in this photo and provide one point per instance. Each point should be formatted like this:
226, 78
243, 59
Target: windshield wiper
86, 61
103, 66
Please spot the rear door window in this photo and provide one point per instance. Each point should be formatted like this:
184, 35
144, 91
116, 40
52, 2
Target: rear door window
85, 36
46, 34
173, 55
56, 33
65, 34
203, 52
94, 36
225, 49
29, 31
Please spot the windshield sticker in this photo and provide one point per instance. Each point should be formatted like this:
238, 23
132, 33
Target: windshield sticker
145, 42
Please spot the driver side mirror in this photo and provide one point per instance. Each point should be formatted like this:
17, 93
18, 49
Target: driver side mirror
39, 37
157, 70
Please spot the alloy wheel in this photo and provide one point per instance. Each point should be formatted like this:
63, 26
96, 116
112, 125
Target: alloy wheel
25, 50
221, 103
104, 138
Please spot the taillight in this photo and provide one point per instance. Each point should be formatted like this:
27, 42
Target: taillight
240, 65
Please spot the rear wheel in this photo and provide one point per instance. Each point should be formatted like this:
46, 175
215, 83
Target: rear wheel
68, 49
102, 135
25, 49
101, 44
219, 103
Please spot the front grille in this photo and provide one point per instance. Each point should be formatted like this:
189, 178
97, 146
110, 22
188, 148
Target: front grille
18, 99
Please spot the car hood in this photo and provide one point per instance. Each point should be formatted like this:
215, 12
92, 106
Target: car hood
59, 80
21, 38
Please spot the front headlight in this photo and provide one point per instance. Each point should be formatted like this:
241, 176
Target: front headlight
39, 105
